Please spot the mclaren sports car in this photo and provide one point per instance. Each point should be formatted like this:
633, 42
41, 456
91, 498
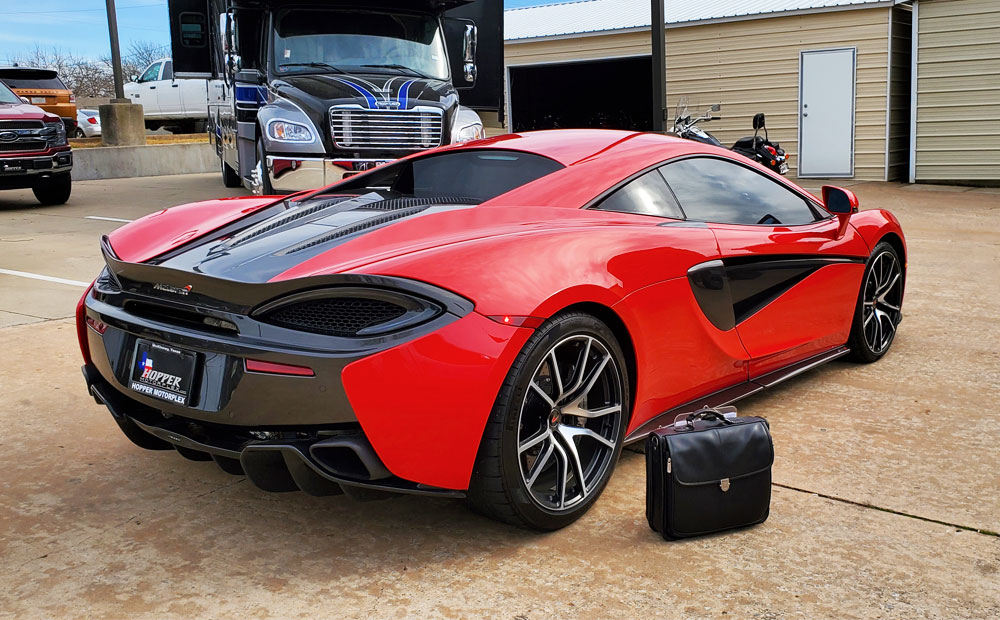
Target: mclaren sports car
492, 320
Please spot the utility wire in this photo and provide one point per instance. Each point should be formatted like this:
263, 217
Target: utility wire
134, 6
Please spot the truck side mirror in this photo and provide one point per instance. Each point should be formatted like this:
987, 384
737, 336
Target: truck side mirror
469, 43
842, 203
758, 121
461, 37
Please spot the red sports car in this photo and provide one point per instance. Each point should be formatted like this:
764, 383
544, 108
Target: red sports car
492, 320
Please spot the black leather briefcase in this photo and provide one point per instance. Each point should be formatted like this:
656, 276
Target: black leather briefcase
707, 473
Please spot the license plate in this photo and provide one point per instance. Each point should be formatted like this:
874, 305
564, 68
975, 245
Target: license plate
38, 100
163, 372
783, 168
11, 166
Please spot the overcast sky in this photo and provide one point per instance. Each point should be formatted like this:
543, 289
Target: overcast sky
80, 27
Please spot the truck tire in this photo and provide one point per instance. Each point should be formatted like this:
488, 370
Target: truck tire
260, 171
54, 190
230, 178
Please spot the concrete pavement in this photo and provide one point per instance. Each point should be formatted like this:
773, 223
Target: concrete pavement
91, 526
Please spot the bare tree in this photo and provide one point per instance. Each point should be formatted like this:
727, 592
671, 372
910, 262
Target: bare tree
88, 77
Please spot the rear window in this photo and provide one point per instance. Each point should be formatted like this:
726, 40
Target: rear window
478, 174
32, 79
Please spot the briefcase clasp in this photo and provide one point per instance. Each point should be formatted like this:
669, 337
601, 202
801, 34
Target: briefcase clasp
724, 484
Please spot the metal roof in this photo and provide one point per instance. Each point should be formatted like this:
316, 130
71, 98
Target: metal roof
587, 16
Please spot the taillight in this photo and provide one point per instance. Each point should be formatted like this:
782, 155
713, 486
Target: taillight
81, 325
770, 149
72, 98
92, 120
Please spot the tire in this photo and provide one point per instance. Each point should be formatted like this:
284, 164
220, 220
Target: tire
230, 178
879, 308
79, 133
525, 447
54, 190
262, 182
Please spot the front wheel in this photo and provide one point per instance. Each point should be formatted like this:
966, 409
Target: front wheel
557, 426
259, 178
54, 190
879, 308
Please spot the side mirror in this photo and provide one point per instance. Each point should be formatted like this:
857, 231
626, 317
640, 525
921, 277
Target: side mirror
758, 121
25, 100
469, 43
842, 203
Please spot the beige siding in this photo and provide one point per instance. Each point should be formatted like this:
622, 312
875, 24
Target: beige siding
958, 91
899, 94
753, 66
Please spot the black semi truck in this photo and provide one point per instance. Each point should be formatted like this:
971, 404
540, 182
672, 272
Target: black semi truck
313, 91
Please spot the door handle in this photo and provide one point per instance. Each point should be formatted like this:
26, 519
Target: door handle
174, 85
152, 88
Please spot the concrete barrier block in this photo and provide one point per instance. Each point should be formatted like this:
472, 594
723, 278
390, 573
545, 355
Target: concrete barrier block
118, 162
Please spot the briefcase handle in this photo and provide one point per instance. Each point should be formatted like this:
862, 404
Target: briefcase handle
722, 414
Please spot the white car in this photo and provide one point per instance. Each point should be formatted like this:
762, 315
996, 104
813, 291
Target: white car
180, 105
88, 124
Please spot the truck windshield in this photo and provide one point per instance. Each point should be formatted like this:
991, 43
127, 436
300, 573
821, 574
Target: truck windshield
325, 41
7, 95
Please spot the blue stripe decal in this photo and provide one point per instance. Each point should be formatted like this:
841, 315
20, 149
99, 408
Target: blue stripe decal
404, 94
254, 95
370, 98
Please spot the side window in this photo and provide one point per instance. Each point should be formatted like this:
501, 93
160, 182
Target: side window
646, 195
714, 190
151, 73
168, 70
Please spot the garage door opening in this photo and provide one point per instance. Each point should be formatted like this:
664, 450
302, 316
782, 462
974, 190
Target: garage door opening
609, 94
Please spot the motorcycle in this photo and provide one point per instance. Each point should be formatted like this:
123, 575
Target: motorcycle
760, 149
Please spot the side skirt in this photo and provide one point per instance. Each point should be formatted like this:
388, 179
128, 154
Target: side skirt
737, 392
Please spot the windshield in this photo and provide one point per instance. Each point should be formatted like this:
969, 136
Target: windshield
7, 95
328, 41
26, 78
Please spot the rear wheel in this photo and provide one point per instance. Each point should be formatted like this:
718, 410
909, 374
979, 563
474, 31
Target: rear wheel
79, 133
230, 178
557, 426
54, 190
879, 308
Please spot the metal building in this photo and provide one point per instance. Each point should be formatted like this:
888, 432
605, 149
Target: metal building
832, 76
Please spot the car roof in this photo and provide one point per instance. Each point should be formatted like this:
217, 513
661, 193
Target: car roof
595, 160
566, 146
38, 73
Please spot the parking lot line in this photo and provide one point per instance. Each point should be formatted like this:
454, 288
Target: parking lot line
37, 276
106, 219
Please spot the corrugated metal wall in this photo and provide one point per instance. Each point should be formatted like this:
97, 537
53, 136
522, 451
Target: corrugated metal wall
958, 90
753, 66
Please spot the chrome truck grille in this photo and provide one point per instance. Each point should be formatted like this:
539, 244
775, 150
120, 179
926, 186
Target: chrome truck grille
354, 127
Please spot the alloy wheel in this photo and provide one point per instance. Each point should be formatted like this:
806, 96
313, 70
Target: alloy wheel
570, 422
883, 297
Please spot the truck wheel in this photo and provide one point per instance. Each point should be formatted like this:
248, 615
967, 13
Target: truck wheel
230, 178
54, 190
261, 180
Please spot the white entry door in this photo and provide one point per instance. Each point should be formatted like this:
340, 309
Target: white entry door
826, 113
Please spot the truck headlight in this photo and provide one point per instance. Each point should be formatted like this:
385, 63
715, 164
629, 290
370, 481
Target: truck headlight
285, 131
469, 133
55, 133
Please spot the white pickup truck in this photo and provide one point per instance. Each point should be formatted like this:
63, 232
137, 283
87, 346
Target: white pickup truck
179, 105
